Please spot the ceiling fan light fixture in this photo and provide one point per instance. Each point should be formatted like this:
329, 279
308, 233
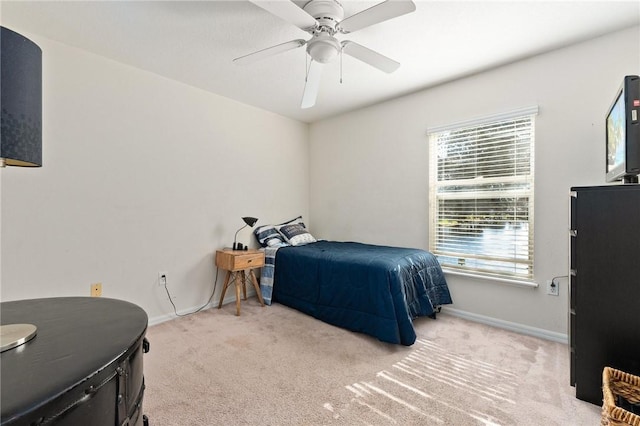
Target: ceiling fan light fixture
323, 48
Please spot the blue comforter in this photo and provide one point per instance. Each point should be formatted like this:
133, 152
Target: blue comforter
376, 290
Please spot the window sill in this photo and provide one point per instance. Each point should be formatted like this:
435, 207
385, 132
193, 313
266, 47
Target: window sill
509, 281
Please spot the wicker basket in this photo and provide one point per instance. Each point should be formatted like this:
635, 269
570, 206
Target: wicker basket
616, 383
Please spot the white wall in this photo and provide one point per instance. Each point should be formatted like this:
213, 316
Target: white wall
141, 174
369, 168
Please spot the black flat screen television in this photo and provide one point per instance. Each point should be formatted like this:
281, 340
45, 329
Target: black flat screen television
623, 133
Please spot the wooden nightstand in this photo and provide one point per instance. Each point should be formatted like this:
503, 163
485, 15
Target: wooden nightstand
236, 262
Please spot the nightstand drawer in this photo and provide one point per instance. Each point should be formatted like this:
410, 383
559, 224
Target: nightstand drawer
245, 261
235, 260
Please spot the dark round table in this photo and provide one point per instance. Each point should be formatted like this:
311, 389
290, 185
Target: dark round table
83, 367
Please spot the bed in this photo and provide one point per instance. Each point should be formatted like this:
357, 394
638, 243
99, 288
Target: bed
377, 290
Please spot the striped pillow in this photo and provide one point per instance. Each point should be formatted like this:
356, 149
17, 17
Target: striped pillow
268, 236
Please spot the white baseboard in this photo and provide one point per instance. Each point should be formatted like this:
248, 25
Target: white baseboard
229, 299
507, 325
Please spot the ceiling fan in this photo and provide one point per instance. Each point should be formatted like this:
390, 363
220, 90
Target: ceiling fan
323, 19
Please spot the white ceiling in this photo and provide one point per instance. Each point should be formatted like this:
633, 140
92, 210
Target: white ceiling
195, 42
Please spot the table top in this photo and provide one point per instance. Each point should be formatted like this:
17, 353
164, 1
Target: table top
76, 338
231, 251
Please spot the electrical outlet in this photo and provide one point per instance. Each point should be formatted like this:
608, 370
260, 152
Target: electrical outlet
553, 287
162, 279
96, 290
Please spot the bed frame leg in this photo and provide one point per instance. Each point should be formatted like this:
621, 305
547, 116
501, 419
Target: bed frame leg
436, 310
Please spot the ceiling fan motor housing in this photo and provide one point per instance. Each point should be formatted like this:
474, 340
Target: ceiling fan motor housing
328, 13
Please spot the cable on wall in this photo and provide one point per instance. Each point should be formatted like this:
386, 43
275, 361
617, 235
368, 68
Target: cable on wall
175, 311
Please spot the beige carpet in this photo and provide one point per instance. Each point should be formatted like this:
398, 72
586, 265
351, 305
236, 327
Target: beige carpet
276, 366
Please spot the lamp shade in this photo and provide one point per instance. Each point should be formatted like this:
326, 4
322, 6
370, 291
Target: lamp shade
250, 220
20, 100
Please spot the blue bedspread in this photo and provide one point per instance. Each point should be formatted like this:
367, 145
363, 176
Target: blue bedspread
371, 289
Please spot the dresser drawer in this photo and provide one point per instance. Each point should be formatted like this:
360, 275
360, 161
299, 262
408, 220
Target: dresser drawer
231, 260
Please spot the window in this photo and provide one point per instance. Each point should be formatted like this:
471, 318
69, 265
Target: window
481, 195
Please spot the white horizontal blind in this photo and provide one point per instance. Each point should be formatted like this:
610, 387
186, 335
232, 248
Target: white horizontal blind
481, 196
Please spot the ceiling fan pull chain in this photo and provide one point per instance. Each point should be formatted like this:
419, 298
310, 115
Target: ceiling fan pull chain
341, 64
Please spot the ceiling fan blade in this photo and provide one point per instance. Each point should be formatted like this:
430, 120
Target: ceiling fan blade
312, 85
269, 51
369, 56
380, 12
288, 11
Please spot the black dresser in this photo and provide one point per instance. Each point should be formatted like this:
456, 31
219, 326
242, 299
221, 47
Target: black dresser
604, 311
83, 367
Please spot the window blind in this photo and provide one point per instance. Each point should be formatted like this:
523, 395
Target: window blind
481, 195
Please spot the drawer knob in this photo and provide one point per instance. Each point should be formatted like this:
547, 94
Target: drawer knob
249, 261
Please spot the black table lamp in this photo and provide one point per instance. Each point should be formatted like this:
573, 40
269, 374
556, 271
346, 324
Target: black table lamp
20, 130
249, 221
